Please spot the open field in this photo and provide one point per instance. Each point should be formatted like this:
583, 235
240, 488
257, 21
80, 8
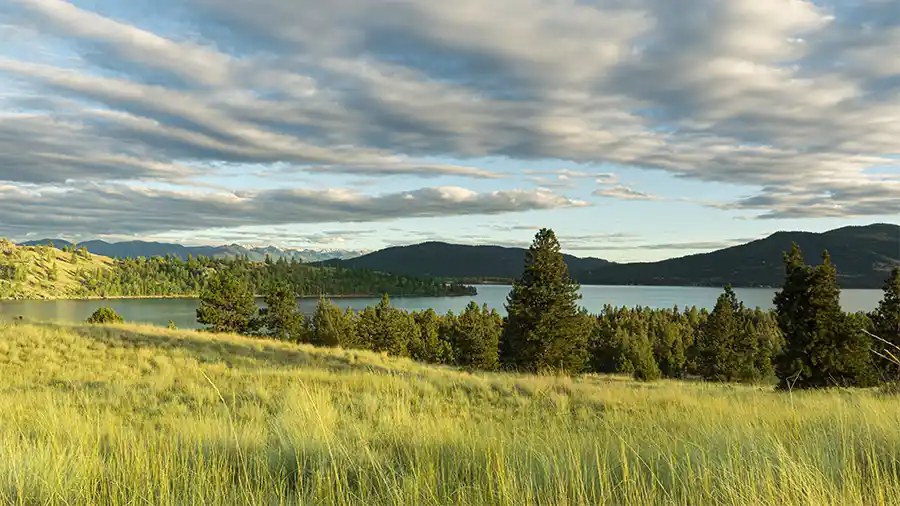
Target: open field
141, 415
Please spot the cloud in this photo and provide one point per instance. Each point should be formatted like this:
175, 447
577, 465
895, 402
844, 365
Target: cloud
124, 210
405, 169
624, 193
841, 199
678, 246
568, 242
565, 178
798, 108
278, 236
606, 178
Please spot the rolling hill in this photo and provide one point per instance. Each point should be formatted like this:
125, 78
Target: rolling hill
134, 249
454, 261
862, 255
31, 272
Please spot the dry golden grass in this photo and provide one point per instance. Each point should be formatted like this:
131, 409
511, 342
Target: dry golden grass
40, 281
141, 415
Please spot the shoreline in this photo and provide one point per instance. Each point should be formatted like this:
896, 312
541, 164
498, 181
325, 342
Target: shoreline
196, 297
378, 296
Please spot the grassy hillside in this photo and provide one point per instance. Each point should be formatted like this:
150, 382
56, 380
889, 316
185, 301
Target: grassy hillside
43, 272
140, 415
456, 261
36, 272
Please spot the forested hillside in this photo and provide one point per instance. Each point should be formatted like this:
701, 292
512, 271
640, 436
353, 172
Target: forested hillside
44, 272
863, 256
455, 261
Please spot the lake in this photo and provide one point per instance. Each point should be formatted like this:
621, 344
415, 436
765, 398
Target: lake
182, 311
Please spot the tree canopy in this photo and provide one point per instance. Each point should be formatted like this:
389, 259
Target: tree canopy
545, 328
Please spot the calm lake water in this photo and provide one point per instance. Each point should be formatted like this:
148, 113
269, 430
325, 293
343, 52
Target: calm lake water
182, 311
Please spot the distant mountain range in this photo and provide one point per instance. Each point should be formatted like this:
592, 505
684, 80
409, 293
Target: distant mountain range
132, 249
863, 256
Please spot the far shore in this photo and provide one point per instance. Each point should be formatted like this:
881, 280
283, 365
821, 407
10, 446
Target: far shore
197, 296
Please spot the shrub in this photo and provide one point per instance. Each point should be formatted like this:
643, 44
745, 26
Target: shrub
105, 315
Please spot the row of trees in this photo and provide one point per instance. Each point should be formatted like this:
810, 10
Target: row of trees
807, 341
468, 339
170, 275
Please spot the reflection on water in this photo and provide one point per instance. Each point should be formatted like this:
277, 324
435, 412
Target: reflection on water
182, 311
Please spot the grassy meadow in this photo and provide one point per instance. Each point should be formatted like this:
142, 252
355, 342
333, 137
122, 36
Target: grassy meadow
140, 415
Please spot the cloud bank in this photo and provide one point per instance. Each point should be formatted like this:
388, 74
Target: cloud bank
797, 101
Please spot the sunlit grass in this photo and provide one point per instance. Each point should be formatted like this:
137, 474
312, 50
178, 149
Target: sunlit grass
49, 273
141, 415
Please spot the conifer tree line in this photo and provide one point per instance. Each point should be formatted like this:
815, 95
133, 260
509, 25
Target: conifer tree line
171, 276
807, 341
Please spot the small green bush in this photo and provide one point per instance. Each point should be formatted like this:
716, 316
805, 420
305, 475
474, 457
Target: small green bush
105, 315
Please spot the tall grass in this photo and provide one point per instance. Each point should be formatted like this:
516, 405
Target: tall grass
141, 415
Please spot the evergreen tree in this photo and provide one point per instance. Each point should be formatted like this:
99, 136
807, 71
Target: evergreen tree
792, 309
823, 346
640, 354
384, 328
281, 317
227, 305
716, 355
757, 344
620, 345
427, 344
53, 273
886, 318
669, 350
608, 346
476, 337
332, 327
746, 365
545, 330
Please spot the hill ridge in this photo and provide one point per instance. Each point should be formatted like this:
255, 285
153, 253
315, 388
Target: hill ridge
863, 254
458, 261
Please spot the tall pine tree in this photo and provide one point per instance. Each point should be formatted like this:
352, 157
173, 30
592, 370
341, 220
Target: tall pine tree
227, 305
476, 337
545, 329
281, 317
823, 346
717, 358
332, 327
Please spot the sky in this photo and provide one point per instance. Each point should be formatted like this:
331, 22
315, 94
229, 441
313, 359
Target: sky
636, 129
